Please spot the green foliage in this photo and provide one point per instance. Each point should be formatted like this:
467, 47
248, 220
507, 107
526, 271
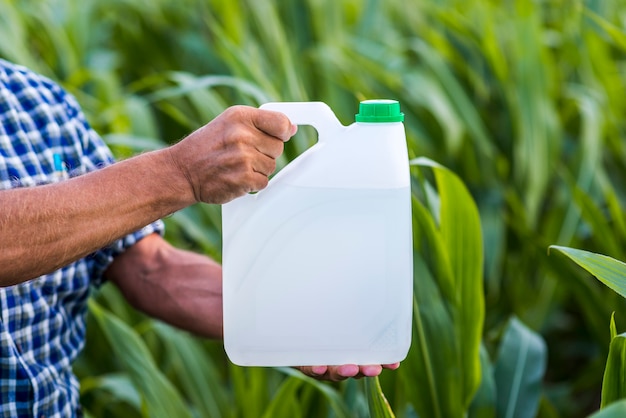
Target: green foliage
512, 385
159, 397
378, 405
609, 271
448, 303
519, 371
614, 382
484, 403
616, 410
612, 273
523, 100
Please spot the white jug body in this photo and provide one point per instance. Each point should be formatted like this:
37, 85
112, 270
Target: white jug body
318, 266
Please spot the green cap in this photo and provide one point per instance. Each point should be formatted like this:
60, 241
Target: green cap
379, 111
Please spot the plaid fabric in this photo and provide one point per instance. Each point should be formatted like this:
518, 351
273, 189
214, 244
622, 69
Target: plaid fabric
42, 322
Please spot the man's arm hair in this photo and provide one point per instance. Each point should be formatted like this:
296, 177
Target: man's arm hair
46, 227
43, 228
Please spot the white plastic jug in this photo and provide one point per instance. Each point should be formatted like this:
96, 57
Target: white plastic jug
317, 267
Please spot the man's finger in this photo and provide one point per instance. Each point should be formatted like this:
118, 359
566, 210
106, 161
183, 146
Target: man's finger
392, 366
270, 146
343, 372
317, 372
264, 165
275, 124
371, 370
338, 373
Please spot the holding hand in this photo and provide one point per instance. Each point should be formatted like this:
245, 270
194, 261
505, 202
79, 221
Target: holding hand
343, 372
232, 155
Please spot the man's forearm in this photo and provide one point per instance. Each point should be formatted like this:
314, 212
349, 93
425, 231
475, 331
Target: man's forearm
179, 287
46, 227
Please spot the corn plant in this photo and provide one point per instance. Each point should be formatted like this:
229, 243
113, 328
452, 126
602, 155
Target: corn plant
612, 273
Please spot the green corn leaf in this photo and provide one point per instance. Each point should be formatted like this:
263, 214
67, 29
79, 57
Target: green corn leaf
466, 110
519, 371
117, 384
160, 398
613, 327
462, 239
140, 116
614, 382
432, 363
378, 405
609, 271
188, 84
197, 375
614, 207
484, 403
615, 410
285, 401
547, 409
448, 299
615, 33
592, 116
135, 143
425, 92
594, 216
251, 390
200, 223
14, 26
355, 397
335, 401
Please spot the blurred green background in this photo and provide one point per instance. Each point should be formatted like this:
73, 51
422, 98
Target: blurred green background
523, 100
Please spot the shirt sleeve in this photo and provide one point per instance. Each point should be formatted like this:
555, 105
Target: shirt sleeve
96, 155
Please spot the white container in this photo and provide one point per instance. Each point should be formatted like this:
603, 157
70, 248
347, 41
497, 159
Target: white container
318, 266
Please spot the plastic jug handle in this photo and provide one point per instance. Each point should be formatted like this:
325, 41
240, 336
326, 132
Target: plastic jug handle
316, 114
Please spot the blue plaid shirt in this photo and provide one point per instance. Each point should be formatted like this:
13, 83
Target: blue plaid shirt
42, 322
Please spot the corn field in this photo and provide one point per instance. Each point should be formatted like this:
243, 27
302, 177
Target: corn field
516, 126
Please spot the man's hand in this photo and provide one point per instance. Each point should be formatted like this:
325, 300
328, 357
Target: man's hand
232, 155
343, 372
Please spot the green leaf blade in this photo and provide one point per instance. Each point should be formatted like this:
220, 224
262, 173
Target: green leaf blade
609, 271
461, 235
519, 371
615, 410
160, 397
614, 382
378, 405
484, 402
